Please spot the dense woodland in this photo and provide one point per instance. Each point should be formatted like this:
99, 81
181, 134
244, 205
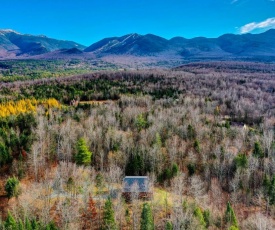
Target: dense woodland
15, 70
203, 133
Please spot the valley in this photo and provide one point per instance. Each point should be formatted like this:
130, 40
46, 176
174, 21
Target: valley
202, 132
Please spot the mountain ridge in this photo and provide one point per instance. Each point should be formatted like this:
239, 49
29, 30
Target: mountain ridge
245, 45
227, 46
13, 44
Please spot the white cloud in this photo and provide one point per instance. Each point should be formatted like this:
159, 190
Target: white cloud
266, 24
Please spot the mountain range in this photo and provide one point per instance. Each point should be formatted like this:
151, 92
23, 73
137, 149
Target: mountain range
226, 47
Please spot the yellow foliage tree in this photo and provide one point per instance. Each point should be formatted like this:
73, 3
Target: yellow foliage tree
25, 106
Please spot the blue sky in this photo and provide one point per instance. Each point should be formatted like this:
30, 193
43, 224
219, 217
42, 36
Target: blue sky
87, 21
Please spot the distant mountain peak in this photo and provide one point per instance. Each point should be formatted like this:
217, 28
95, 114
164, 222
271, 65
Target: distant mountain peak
134, 35
5, 31
129, 36
133, 43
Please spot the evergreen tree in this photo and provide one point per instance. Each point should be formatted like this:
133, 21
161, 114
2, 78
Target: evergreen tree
51, 226
174, 170
35, 225
169, 226
191, 169
230, 216
83, 155
127, 215
20, 225
266, 185
5, 156
28, 225
271, 192
99, 179
158, 141
147, 222
191, 133
258, 151
168, 174
206, 216
109, 216
141, 122
137, 165
10, 223
12, 187
227, 125
241, 161
197, 146
165, 175
199, 215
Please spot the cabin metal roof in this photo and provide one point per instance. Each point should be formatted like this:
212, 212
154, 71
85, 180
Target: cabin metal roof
142, 182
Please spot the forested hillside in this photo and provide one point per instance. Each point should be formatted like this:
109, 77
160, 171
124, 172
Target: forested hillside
203, 133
